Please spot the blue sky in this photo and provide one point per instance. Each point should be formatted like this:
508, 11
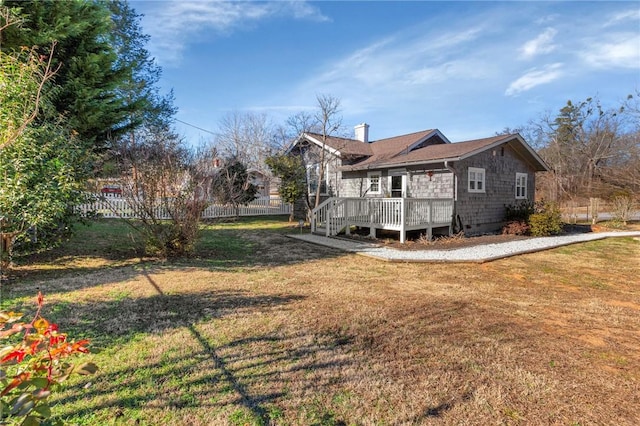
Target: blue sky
469, 69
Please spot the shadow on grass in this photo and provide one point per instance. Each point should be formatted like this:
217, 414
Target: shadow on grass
116, 321
207, 379
216, 376
437, 411
108, 244
18, 294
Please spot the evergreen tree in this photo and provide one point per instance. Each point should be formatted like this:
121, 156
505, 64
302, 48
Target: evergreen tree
41, 166
106, 85
232, 185
87, 78
139, 88
53, 123
292, 174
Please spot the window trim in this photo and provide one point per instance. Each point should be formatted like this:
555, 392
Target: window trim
478, 172
369, 183
519, 176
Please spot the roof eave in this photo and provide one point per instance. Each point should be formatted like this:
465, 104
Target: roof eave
309, 138
376, 166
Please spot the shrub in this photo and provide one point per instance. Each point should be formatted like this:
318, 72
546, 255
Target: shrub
33, 361
520, 211
622, 208
516, 227
615, 224
423, 239
547, 220
166, 186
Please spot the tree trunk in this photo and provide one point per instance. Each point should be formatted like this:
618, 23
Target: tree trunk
321, 171
6, 248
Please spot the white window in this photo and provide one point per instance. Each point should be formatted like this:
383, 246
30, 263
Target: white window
374, 183
476, 179
521, 186
313, 174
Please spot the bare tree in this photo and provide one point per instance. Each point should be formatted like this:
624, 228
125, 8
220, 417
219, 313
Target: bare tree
324, 122
247, 137
585, 145
166, 186
624, 174
329, 122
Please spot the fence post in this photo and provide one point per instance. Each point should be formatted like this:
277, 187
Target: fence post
347, 212
594, 205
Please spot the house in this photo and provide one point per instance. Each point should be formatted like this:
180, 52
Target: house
261, 180
417, 181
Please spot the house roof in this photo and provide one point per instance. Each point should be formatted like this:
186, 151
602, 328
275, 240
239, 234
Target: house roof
424, 147
438, 153
375, 150
341, 146
387, 150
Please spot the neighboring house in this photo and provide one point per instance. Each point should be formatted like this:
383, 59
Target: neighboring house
106, 187
418, 181
261, 180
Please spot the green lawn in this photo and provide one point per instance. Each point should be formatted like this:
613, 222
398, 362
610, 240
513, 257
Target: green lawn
257, 328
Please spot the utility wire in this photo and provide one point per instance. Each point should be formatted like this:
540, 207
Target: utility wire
196, 127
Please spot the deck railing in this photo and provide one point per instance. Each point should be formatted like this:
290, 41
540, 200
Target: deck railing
400, 214
116, 207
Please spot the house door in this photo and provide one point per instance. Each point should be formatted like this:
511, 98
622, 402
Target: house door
399, 186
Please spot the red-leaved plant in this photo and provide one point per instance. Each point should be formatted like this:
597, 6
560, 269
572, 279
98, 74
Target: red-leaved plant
34, 358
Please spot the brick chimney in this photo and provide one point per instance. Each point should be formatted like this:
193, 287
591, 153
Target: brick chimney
362, 132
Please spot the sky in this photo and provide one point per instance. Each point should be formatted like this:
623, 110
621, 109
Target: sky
469, 69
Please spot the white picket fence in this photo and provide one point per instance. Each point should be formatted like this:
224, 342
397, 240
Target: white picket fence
117, 207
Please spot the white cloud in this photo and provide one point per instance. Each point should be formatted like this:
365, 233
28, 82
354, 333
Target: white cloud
621, 50
398, 60
547, 19
173, 25
618, 18
303, 10
540, 45
535, 77
455, 69
409, 67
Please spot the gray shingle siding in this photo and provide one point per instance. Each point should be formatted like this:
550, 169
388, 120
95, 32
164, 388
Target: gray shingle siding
440, 185
484, 212
419, 185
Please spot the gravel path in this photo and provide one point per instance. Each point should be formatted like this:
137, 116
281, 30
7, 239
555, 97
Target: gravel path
479, 254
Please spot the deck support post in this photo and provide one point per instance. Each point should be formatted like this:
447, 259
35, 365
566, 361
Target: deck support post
430, 228
403, 225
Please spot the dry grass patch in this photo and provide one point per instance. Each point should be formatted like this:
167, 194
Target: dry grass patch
296, 334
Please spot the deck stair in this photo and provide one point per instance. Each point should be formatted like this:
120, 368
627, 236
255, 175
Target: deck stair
329, 218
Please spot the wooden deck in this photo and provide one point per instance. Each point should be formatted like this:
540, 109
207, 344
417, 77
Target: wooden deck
398, 214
